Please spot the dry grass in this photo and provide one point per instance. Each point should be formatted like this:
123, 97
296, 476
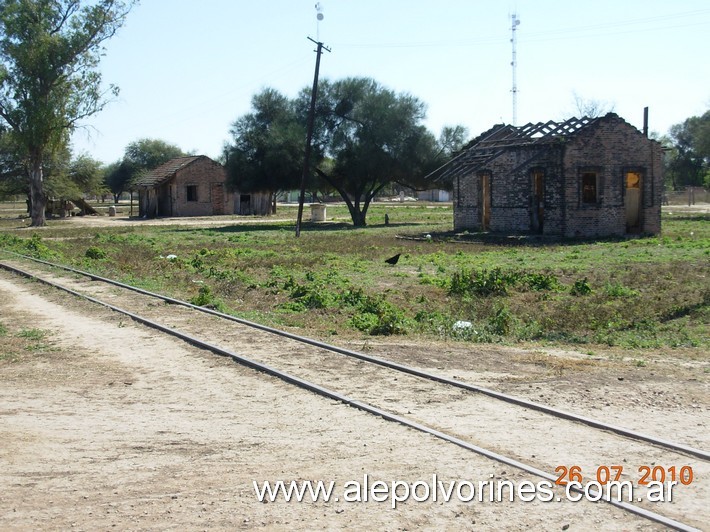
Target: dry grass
556, 364
645, 293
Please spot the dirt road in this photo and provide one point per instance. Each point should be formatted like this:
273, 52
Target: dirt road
111, 426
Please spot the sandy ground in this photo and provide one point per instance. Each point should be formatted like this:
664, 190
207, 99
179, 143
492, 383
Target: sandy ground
116, 427
113, 426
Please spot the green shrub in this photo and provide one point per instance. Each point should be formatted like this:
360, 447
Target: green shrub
581, 287
501, 322
376, 316
619, 290
482, 282
541, 281
95, 253
205, 298
36, 248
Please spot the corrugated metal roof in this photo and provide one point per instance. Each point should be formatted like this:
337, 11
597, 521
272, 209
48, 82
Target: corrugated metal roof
164, 172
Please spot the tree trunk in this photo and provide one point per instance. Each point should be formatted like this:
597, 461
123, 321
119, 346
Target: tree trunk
358, 216
37, 196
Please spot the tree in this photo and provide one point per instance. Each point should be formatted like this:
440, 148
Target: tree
49, 78
374, 137
88, 175
117, 177
267, 150
13, 171
139, 157
591, 108
688, 163
146, 154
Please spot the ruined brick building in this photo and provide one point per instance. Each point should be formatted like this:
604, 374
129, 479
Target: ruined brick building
184, 186
194, 186
585, 177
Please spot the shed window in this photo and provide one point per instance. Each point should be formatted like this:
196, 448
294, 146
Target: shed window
191, 192
589, 187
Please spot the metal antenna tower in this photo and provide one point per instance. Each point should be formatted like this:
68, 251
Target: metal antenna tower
319, 17
515, 21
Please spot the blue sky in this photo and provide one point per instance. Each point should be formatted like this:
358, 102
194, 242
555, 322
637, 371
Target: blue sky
187, 68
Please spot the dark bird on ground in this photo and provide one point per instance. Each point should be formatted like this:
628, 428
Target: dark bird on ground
393, 260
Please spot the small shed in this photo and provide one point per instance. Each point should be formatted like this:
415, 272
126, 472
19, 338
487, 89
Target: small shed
584, 177
254, 203
185, 186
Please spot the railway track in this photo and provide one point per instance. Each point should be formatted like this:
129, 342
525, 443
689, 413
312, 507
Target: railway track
395, 392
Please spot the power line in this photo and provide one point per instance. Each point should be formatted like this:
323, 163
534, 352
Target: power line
620, 27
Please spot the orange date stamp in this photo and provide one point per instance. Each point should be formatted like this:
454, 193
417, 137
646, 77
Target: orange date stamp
605, 474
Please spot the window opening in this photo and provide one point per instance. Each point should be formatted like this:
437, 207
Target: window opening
589, 187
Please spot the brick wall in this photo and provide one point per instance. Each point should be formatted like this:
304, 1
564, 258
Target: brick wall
609, 148
202, 173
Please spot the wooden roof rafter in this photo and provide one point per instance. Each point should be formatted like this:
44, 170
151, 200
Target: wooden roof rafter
502, 137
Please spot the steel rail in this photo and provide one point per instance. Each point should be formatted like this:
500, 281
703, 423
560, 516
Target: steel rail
360, 405
622, 431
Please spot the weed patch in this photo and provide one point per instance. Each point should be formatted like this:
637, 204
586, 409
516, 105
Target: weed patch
637, 293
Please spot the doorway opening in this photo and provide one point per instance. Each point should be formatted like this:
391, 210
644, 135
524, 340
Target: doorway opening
485, 197
537, 211
632, 200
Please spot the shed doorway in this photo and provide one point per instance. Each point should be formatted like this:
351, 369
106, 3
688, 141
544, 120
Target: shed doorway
537, 211
632, 200
485, 200
245, 204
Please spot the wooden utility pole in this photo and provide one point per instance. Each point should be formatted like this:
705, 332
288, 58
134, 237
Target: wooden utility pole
309, 136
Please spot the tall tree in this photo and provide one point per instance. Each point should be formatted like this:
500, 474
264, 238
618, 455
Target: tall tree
117, 177
13, 171
88, 175
688, 164
375, 137
49, 78
139, 157
267, 150
146, 154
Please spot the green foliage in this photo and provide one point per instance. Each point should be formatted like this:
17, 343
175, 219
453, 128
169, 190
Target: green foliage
32, 334
373, 137
49, 76
377, 316
482, 282
542, 281
205, 298
688, 161
95, 253
501, 321
139, 157
581, 287
35, 247
642, 293
267, 150
146, 154
366, 137
498, 282
619, 290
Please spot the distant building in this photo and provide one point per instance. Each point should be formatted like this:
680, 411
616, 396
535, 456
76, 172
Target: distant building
194, 186
185, 186
585, 177
436, 195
